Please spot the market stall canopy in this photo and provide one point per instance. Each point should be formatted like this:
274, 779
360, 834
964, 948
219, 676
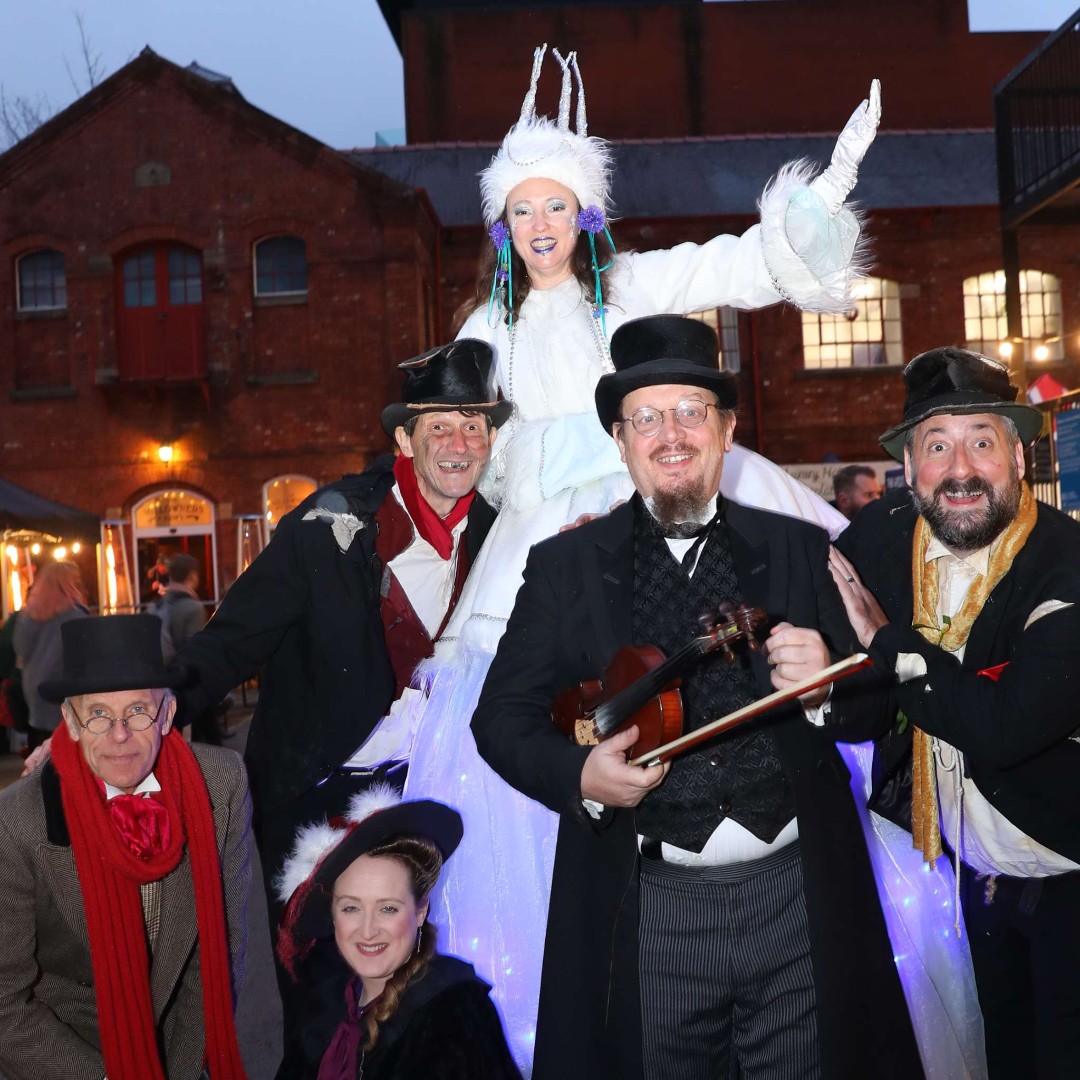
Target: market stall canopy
22, 510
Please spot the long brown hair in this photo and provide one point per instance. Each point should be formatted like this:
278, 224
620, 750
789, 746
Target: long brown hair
57, 587
423, 861
582, 266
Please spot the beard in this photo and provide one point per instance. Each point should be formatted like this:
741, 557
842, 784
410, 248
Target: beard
691, 502
960, 530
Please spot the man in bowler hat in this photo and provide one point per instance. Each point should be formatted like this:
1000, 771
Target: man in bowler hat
124, 876
965, 590
343, 603
717, 916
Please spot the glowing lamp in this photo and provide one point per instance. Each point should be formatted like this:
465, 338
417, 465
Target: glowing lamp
35, 549
1005, 350
60, 553
1041, 352
165, 453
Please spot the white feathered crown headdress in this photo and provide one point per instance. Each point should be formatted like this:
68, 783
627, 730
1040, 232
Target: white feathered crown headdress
537, 147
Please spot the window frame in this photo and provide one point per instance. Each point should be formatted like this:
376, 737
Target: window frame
40, 309
838, 333
275, 293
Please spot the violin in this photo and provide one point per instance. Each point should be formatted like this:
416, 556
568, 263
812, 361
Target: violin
640, 685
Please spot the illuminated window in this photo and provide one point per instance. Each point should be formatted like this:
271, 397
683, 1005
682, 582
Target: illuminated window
985, 323
870, 335
725, 321
283, 494
42, 282
281, 266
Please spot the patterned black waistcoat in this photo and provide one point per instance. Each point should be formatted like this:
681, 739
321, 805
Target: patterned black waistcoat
737, 775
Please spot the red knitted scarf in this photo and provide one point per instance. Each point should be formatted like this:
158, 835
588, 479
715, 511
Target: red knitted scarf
110, 876
434, 529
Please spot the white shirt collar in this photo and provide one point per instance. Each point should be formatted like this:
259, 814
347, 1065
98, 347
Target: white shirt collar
145, 788
978, 561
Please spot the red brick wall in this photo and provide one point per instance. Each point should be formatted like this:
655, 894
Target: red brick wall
236, 176
707, 69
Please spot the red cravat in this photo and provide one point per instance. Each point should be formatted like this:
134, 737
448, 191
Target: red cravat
143, 824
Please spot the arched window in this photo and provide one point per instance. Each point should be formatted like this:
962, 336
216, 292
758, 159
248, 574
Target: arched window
42, 282
986, 326
281, 266
869, 335
283, 494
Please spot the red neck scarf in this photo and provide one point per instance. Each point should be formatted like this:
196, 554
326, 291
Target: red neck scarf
110, 875
434, 529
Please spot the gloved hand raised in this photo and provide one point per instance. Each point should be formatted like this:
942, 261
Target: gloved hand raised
834, 185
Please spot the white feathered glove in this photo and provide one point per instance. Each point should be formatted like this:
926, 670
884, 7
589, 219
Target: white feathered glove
811, 242
835, 184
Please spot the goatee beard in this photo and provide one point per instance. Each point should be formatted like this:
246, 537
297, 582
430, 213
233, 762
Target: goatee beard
676, 507
960, 531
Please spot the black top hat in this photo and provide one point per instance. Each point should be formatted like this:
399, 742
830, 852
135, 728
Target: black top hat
450, 377
952, 380
422, 817
662, 349
105, 653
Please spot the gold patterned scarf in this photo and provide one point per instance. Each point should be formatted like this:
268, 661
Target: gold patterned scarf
926, 832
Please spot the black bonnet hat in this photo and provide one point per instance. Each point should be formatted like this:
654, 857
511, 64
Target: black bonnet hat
952, 380
451, 377
106, 653
660, 350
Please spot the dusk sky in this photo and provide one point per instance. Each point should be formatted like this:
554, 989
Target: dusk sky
328, 67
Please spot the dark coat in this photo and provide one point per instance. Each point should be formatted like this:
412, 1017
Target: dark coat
306, 615
1019, 734
444, 1028
48, 1012
574, 611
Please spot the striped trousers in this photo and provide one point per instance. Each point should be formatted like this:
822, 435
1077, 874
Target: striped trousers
727, 988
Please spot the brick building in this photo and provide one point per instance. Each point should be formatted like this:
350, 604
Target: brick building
180, 269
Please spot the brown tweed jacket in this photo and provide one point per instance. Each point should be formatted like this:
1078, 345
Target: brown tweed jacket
48, 1019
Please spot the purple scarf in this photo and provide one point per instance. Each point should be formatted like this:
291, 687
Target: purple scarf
343, 1054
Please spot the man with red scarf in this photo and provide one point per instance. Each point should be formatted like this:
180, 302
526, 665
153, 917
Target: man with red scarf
124, 875
345, 601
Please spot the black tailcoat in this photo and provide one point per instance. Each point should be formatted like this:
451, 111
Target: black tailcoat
574, 611
306, 615
1021, 734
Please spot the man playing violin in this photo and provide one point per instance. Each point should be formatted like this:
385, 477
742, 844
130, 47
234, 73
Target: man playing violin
716, 915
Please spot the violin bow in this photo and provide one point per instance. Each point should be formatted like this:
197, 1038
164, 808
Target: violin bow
691, 739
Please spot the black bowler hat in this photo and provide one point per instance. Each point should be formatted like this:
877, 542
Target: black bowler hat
451, 377
952, 380
106, 653
659, 350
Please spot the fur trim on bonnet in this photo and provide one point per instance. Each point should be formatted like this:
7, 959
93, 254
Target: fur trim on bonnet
537, 147
324, 850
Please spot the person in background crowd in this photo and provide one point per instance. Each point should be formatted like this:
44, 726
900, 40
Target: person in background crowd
183, 615
853, 487
124, 876
56, 598
966, 590
393, 1008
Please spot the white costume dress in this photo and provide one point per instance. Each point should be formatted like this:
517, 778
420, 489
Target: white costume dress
552, 462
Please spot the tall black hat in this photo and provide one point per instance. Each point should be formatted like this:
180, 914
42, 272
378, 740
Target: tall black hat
661, 349
106, 653
450, 377
952, 380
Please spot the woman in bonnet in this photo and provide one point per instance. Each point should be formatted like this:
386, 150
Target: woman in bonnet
394, 1009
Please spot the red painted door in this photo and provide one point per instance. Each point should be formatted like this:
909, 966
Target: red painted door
159, 293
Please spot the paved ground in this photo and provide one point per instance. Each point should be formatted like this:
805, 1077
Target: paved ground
258, 1016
